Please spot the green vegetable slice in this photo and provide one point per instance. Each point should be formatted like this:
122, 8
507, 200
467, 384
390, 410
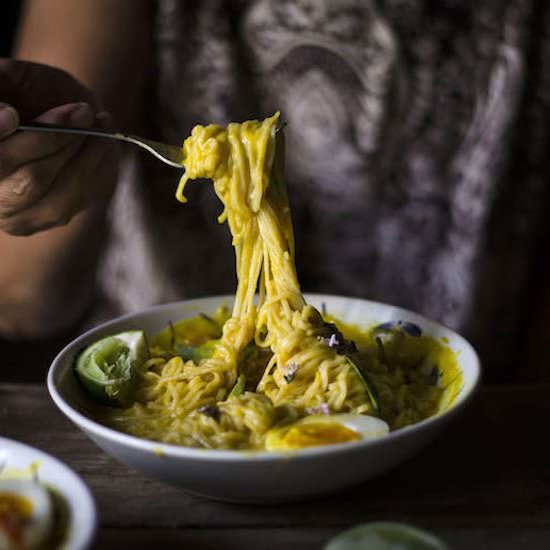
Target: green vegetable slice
196, 353
367, 384
213, 322
385, 536
238, 388
110, 368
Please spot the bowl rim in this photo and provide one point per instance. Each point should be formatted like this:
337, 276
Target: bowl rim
80, 535
168, 450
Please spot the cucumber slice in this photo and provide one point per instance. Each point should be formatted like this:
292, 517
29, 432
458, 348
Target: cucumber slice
196, 353
110, 368
370, 390
385, 536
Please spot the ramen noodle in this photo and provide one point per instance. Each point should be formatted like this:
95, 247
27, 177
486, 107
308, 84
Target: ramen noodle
274, 360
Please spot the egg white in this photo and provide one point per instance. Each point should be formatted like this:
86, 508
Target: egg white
40, 523
366, 427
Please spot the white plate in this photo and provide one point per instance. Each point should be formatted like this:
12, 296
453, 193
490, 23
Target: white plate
246, 476
53, 473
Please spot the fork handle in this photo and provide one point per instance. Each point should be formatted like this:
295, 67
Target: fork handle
45, 127
169, 154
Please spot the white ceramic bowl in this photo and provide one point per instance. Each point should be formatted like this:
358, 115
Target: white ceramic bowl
17, 460
258, 476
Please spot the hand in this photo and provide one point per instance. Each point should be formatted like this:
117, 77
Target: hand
45, 179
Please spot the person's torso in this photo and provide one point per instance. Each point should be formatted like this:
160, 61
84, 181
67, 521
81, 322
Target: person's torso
399, 117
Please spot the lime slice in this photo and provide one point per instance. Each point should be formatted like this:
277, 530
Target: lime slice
110, 367
385, 536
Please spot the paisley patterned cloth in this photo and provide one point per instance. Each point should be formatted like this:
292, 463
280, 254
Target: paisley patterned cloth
416, 143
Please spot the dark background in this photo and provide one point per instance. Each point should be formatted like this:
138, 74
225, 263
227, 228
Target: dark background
9, 12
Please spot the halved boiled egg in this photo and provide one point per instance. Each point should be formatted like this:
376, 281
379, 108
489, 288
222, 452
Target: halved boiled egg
315, 430
26, 514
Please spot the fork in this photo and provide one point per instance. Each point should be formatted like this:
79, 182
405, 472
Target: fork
170, 154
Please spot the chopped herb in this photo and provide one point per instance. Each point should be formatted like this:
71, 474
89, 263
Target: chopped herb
213, 322
212, 411
172, 334
291, 370
381, 351
281, 127
385, 326
333, 338
434, 376
323, 408
210, 320
352, 347
410, 328
238, 388
451, 382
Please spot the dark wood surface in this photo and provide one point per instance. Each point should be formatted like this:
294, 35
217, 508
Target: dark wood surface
484, 484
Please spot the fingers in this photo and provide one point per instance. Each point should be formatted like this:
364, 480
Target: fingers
29, 183
88, 178
33, 88
24, 147
9, 119
29, 163
45, 177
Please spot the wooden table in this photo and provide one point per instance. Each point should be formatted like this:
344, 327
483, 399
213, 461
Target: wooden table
484, 484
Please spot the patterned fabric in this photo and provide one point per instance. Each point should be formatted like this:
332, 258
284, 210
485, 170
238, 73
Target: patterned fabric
416, 145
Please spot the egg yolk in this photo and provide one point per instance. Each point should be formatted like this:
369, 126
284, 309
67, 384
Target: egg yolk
318, 433
15, 511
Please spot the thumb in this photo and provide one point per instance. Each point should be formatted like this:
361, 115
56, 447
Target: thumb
9, 120
33, 88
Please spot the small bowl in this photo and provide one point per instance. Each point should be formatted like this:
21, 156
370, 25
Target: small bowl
23, 461
246, 476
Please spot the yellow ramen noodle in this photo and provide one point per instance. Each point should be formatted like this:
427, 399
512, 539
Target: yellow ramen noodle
189, 402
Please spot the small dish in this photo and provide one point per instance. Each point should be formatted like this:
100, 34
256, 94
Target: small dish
266, 477
20, 461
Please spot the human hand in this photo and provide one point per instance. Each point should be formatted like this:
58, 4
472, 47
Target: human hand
45, 179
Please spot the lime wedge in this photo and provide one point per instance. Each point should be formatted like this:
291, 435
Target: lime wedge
110, 367
385, 536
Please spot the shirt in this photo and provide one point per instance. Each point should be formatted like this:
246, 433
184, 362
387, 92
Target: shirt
416, 140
